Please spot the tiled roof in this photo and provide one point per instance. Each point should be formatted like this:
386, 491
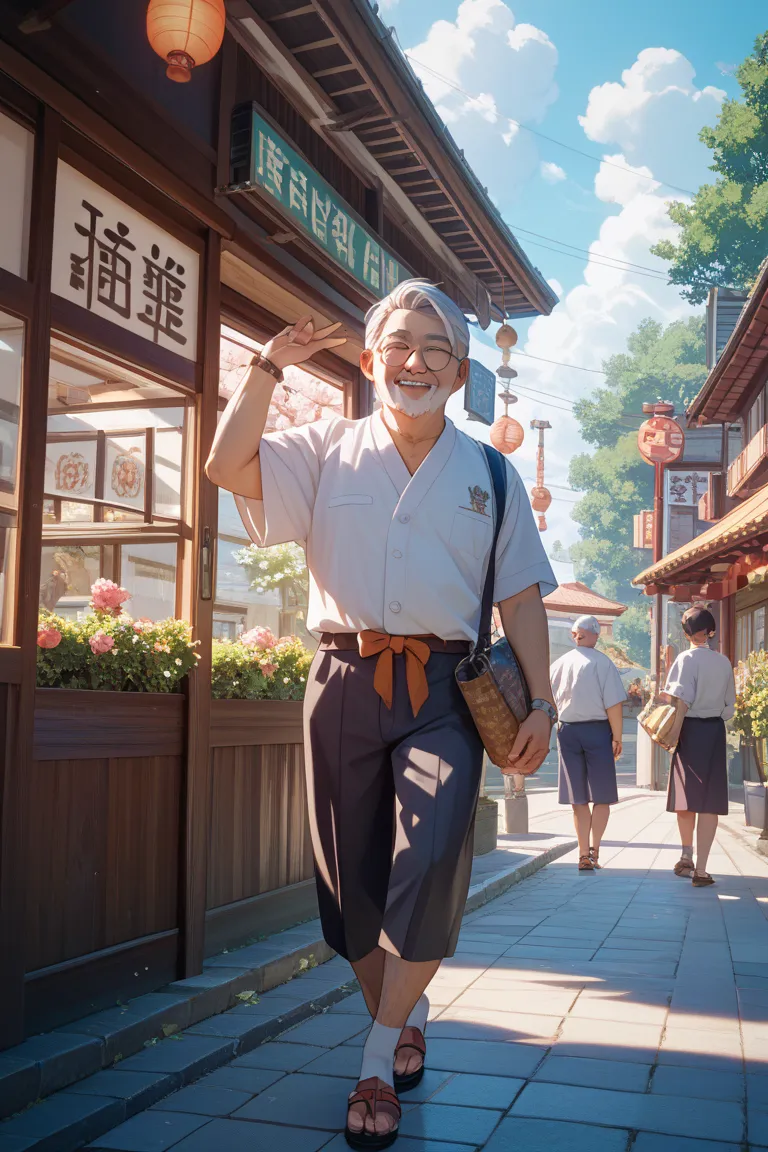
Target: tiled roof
738, 525
576, 597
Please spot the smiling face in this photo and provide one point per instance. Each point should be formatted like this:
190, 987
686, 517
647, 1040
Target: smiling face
413, 368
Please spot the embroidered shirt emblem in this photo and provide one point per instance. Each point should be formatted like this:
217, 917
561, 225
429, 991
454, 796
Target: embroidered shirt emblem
478, 500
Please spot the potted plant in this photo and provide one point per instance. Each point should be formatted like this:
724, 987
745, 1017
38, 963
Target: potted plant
257, 666
750, 720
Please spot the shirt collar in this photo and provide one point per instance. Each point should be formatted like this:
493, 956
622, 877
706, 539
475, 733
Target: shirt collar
419, 484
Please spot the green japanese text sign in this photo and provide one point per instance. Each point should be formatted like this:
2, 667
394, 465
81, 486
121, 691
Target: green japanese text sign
479, 393
262, 157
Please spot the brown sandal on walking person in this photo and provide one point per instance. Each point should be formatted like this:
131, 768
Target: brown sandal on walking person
378, 1099
412, 1038
594, 854
684, 867
701, 879
585, 864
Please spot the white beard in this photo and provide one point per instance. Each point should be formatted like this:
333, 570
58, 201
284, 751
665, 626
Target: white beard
392, 396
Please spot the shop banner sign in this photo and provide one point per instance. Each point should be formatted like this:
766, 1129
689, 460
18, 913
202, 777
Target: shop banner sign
480, 393
274, 166
111, 260
643, 525
16, 150
685, 489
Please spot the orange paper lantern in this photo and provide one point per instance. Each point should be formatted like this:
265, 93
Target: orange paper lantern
186, 33
506, 435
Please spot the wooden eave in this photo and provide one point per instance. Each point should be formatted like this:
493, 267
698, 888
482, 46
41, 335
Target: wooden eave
345, 52
743, 365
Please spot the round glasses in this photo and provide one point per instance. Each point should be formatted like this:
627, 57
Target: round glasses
397, 354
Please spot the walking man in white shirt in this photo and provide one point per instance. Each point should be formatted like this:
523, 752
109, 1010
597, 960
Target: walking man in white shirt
397, 518
589, 696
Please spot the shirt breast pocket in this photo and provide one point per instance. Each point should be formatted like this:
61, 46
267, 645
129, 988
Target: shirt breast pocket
471, 533
349, 498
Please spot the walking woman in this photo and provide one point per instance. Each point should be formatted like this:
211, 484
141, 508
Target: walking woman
701, 683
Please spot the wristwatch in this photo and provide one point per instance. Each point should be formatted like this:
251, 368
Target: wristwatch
545, 706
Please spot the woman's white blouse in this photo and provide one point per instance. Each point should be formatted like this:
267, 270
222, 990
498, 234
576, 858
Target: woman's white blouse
703, 680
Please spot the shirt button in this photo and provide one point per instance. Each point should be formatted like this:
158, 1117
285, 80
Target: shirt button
397, 554
394, 607
404, 519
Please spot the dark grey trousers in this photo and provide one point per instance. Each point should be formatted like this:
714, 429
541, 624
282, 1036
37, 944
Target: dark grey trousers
392, 804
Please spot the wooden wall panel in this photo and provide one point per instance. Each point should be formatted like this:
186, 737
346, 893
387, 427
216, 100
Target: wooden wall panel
259, 822
104, 851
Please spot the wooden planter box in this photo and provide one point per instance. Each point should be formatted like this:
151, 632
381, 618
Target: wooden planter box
104, 844
260, 871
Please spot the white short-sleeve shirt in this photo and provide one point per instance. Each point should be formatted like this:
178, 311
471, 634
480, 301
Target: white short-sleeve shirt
703, 680
386, 550
585, 684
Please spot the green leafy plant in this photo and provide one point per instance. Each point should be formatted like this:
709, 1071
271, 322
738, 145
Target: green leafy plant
266, 669
751, 715
108, 651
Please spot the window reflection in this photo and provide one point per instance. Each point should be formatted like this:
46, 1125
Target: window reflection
251, 589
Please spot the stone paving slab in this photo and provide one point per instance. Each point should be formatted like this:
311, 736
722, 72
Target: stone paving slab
535, 1052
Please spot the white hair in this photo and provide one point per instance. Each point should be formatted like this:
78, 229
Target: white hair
420, 295
587, 624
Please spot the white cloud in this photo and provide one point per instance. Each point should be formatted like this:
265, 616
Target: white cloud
655, 115
618, 182
552, 173
486, 73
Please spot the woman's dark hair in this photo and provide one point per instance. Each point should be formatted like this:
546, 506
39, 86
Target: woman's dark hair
698, 620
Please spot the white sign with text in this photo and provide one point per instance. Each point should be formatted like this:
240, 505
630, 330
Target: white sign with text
116, 263
17, 146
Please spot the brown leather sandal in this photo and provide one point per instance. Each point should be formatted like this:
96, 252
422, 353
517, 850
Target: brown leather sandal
411, 1038
585, 864
684, 867
372, 1093
593, 855
701, 879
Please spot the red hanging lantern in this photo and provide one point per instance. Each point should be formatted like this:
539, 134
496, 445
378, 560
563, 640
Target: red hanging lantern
186, 33
506, 435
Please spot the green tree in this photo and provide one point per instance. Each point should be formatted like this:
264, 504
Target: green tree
660, 363
724, 229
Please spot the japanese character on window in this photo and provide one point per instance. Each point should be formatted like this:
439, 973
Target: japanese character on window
390, 274
372, 264
164, 289
104, 266
272, 160
321, 210
343, 233
297, 191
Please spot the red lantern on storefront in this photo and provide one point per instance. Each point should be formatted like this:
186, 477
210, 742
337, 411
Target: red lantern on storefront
186, 33
506, 435
541, 498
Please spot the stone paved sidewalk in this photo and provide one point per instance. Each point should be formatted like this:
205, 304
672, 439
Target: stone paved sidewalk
596, 1012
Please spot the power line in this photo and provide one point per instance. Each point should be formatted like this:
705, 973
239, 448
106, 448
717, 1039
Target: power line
549, 395
559, 363
596, 260
543, 135
587, 252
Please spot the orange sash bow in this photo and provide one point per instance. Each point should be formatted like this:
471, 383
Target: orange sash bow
386, 647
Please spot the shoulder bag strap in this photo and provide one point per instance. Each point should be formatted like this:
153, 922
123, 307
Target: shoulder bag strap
498, 468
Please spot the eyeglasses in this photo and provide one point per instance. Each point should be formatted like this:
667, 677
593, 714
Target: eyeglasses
396, 354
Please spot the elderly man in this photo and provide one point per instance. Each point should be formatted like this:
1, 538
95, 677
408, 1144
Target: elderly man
397, 520
590, 696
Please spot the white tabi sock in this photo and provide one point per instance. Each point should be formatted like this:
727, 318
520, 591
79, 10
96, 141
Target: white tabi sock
419, 1014
379, 1053
688, 851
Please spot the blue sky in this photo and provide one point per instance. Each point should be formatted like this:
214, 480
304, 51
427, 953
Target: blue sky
629, 84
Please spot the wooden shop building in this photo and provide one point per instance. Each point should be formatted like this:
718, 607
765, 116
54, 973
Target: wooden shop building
152, 235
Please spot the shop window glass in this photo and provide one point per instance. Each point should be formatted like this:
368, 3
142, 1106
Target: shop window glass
11, 363
265, 587
148, 571
114, 463
758, 626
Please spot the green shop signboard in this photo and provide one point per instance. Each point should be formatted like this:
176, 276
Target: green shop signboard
261, 158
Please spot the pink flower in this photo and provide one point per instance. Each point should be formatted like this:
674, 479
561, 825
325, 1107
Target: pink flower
259, 638
106, 596
141, 624
48, 638
269, 669
286, 640
101, 643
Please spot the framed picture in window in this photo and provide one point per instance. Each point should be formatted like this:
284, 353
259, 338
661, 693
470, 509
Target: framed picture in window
125, 469
70, 467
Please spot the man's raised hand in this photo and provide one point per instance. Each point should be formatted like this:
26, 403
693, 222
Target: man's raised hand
300, 341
